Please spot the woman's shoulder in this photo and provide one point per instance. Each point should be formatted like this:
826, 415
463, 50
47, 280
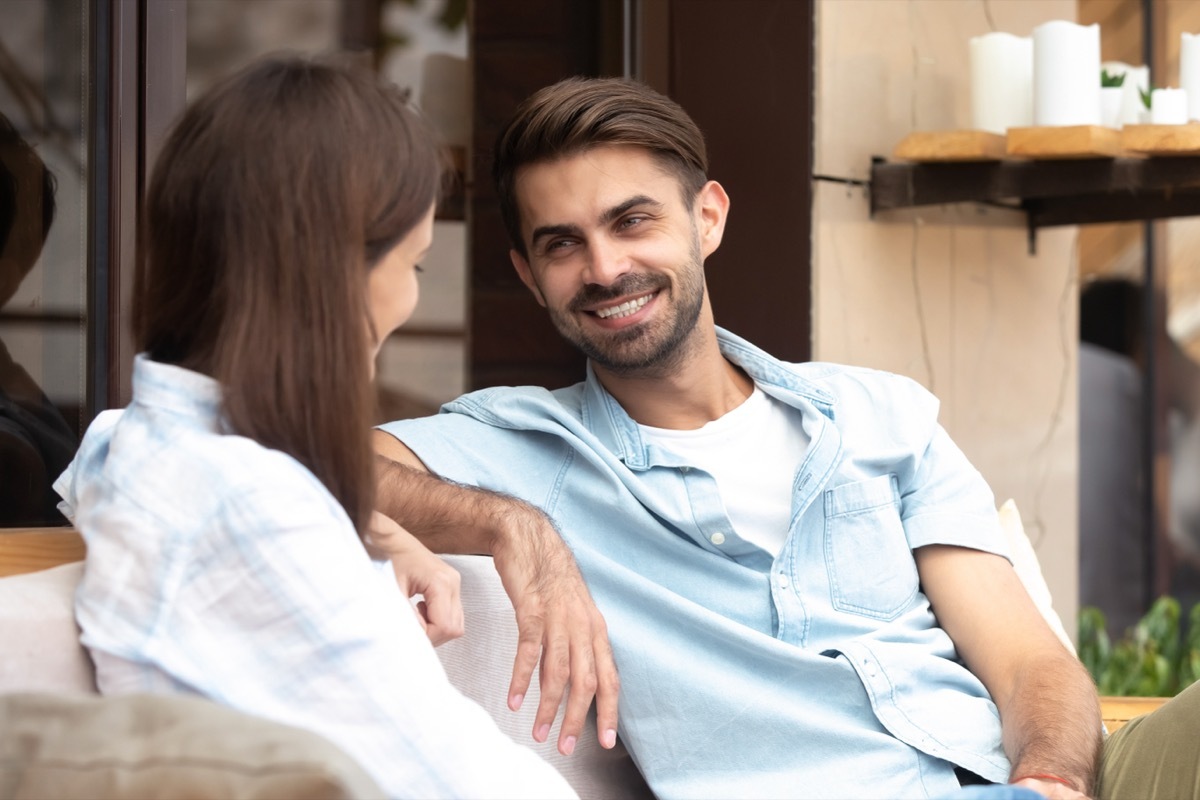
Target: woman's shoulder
186, 479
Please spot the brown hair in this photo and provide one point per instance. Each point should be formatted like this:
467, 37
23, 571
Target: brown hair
578, 114
273, 196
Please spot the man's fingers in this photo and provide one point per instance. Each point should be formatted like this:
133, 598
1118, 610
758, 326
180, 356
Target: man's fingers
579, 699
554, 673
529, 650
608, 690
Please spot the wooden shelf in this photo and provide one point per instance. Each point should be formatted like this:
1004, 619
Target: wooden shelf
1051, 192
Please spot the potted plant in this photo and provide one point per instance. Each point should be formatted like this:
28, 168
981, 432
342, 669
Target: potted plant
1152, 659
1111, 94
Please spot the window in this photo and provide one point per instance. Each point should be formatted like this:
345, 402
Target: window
44, 212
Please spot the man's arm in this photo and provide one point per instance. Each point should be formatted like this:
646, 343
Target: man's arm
1049, 711
556, 618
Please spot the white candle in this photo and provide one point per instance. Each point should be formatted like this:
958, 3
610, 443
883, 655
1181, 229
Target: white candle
1066, 74
1189, 72
1168, 107
1001, 82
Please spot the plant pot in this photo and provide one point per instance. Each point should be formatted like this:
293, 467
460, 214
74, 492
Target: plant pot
1110, 105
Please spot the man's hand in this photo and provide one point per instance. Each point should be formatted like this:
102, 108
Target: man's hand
559, 625
419, 571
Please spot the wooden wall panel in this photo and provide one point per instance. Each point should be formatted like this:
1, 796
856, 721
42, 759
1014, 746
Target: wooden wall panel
519, 47
751, 94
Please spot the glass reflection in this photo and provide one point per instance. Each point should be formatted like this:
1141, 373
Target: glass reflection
43, 58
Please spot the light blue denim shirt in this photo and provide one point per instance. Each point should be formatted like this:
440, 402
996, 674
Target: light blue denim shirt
820, 671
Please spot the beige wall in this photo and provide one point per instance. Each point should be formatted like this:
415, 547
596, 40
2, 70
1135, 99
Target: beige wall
950, 295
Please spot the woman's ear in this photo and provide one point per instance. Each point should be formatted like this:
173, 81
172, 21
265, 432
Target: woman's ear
711, 209
526, 275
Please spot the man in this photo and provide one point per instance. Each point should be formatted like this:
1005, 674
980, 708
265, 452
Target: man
769, 542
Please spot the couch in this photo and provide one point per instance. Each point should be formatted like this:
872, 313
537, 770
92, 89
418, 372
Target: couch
59, 739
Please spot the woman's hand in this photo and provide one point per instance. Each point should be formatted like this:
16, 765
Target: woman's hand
419, 571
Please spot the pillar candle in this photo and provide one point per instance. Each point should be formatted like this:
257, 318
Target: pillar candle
1001, 82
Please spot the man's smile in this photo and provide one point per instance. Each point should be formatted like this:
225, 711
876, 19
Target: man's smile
624, 309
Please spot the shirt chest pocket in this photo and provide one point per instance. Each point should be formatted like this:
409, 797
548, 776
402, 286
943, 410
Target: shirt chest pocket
870, 566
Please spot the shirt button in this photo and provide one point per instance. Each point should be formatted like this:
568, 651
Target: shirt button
717, 538
685, 470
783, 584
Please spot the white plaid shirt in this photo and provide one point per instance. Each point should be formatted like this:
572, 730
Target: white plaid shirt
221, 568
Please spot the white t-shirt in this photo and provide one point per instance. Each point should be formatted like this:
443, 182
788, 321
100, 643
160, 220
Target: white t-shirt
752, 453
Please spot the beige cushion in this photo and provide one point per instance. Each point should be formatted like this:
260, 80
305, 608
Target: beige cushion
42, 653
165, 747
41, 650
480, 665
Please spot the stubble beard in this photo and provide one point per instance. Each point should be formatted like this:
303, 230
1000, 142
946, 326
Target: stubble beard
648, 349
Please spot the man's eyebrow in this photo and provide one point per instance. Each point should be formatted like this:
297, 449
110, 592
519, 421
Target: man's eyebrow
618, 211
607, 217
543, 231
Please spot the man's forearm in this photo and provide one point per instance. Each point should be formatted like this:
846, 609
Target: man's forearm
449, 517
1052, 723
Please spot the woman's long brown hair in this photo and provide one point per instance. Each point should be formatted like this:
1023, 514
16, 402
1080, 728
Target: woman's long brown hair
272, 198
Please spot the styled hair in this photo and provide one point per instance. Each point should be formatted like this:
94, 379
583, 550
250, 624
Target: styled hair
577, 114
272, 198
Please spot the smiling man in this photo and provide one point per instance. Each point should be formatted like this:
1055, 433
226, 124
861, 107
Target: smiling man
805, 582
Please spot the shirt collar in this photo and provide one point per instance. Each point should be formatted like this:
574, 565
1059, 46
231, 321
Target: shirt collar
176, 390
605, 417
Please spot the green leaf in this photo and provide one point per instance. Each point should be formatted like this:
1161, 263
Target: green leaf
1162, 627
1111, 81
1151, 659
1095, 649
1145, 95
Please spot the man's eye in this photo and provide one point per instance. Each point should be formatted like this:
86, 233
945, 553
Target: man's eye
630, 222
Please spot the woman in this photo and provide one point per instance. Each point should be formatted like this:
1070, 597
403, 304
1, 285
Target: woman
227, 511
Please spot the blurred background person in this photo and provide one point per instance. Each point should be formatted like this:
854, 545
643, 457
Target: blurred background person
36, 443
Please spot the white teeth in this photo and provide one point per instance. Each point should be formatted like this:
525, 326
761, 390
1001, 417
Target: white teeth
623, 310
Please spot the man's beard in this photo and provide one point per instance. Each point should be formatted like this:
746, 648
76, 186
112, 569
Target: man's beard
648, 349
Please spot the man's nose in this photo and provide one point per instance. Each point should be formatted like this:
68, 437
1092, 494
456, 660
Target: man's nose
608, 261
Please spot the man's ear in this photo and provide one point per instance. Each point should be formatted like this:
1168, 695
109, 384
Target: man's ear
711, 209
526, 275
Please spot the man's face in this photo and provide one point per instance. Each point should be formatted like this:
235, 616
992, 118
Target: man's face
616, 255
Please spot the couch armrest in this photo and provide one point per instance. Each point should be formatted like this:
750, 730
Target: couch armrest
480, 666
25, 550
